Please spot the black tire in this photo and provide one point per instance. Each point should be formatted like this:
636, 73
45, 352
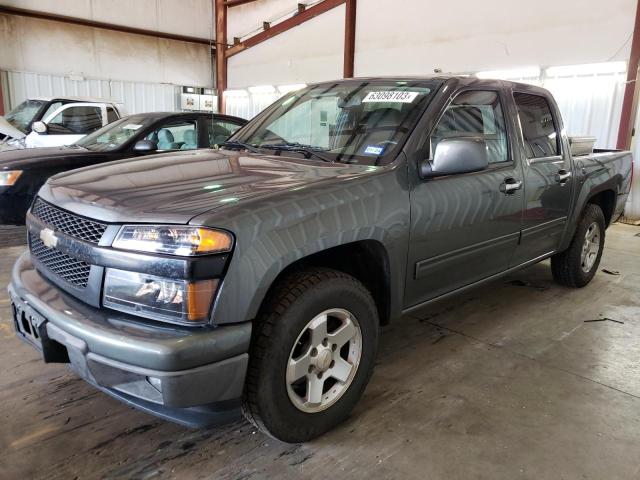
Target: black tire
567, 266
293, 302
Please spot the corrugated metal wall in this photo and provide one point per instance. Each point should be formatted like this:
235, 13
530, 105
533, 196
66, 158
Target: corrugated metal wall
248, 105
590, 104
135, 96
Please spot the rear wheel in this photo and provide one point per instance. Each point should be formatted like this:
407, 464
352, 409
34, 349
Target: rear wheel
312, 354
576, 266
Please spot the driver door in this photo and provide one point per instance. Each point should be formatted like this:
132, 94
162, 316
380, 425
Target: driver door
463, 227
69, 123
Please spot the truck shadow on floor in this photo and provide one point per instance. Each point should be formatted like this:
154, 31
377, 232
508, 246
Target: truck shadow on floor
111, 440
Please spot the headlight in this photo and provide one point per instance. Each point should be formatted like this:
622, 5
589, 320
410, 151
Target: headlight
9, 177
174, 240
167, 299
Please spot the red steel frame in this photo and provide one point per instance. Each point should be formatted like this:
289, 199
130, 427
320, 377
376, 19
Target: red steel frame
225, 51
631, 90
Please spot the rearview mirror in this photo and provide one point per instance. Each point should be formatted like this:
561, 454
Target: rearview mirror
456, 155
39, 127
145, 146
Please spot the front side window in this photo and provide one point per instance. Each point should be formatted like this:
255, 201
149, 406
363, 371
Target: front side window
539, 130
220, 130
175, 136
22, 116
475, 114
76, 121
356, 122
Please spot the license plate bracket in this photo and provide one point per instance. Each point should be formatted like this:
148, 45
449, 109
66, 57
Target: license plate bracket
32, 327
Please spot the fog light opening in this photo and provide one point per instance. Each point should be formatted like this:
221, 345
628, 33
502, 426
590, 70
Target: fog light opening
155, 383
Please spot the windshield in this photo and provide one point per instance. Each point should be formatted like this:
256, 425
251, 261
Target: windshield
21, 116
356, 121
116, 134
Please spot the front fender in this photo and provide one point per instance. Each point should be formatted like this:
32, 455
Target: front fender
276, 234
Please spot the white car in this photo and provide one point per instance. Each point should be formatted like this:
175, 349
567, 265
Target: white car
55, 121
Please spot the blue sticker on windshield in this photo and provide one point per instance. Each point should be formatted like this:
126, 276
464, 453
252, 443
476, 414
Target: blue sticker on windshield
373, 150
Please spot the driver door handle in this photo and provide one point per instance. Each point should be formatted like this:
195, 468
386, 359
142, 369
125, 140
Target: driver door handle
563, 176
510, 185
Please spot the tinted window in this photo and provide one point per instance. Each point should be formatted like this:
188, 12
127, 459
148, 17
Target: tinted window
112, 116
219, 131
538, 126
175, 136
76, 121
476, 114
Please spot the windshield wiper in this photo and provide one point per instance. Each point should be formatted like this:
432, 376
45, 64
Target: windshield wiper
308, 150
236, 144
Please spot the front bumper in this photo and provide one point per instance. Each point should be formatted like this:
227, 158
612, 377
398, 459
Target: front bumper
175, 372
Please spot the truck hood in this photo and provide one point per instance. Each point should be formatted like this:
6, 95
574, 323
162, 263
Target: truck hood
7, 129
174, 188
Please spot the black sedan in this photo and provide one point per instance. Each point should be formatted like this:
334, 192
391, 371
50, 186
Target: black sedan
23, 172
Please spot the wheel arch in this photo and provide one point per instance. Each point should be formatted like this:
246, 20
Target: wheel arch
365, 260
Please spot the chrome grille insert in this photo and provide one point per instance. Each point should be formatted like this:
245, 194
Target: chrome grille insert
68, 223
73, 271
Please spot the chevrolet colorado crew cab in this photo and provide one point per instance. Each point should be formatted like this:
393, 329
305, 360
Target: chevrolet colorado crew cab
257, 275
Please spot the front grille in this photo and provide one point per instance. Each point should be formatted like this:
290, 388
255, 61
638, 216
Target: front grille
68, 223
76, 272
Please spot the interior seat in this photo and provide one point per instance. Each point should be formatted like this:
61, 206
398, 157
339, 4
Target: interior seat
166, 140
189, 139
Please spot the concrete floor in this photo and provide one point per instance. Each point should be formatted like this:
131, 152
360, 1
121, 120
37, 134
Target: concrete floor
510, 381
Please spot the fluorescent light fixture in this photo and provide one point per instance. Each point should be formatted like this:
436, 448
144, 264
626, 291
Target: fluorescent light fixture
262, 89
513, 73
291, 88
587, 69
236, 93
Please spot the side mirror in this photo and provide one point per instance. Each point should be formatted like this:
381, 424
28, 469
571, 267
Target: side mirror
456, 155
145, 146
40, 127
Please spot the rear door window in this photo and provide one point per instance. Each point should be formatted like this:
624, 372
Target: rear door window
539, 127
112, 116
76, 120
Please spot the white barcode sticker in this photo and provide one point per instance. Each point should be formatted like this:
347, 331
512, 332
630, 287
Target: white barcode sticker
391, 97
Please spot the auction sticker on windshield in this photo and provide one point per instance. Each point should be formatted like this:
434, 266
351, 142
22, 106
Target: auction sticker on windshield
395, 97
132, 126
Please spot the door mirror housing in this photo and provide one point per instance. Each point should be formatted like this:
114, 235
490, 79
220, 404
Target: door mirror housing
40, 128
145, 146
456, 155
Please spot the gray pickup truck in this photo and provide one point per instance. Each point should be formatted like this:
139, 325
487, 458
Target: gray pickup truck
256, 276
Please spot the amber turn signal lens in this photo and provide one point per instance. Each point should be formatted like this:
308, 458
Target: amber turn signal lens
199, 296
213, 241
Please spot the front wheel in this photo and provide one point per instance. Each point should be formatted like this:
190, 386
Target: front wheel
576, 266
312, 354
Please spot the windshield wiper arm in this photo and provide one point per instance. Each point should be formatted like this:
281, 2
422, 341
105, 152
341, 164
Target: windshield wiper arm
236, 144
309, 150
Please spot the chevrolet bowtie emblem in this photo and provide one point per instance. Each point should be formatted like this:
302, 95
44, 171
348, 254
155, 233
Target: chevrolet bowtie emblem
48, 238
